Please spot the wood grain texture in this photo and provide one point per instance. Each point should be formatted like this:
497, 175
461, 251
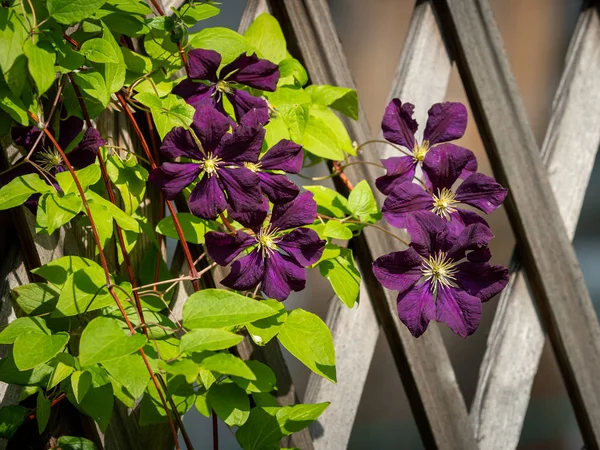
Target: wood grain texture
423, 75
548, 257
516, 339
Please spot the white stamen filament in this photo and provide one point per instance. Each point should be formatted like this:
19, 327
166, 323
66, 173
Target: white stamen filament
440, 269
442, 203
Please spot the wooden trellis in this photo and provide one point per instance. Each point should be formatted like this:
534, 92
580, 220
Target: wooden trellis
546, 194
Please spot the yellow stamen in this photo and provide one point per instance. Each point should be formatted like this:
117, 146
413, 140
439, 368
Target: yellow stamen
224, 86
440, 270
420, 150
48, 159
442, 203
266, 239
252, 166
211, 164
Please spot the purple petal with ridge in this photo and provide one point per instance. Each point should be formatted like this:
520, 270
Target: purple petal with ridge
252, 71
84, 153
473, 237
196, 93
241, 185
223, 247
278, 188
398, 125
460, 310
399, 169
252, 219
207, 200
172, 178
462, 218
203, 64
303, 245
179, 142
243, 103
398, 271
285, 155
69, 128
444, 164
447, 121
297, 213
406, 199
282, 275
246, 272
481, 279
482, 192
243, 145
416, 308
210, 126
428, 233
25, 136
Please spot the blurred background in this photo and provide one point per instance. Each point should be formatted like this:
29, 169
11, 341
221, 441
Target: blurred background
536, 34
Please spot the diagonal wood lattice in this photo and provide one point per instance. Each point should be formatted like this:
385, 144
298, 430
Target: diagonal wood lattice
547, 189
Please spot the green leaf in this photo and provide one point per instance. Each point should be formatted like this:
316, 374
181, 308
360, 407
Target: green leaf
130, 179
265, 378
362, 204
263, 330
194, 228
57, 271
341, 99
192, 14
223, 40
75, 443
40, 62
87, 176
185, 367
320, 140
151, 409
202, 405
329, 202
12, 104
103, 339
84, 291
10, 373
129, 6
20, 189
207, 339
292, 73
265, 35
93, 90
130, 371
99, 50
260, 432
23, 325
60, 209
337, 139
36, 298
168, 112
34, 348
296, 118
343, 276
136, 63
230, 403
72, 11
11, 418
13, 34
98, 402
124, 220
81, 382
307, 337
227, 364
217, 308
114, 71
337, 230
294, 418
65, 366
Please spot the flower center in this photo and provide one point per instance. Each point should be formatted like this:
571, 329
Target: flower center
224, 87
254, 167
439, 269
420, 150
442, 203
266, 239
211, 164
49, 159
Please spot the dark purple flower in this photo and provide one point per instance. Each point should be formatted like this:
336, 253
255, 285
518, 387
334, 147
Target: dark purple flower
447, 121
220, 163
441, 276
244, 70
281, 249
47, 157
442, 167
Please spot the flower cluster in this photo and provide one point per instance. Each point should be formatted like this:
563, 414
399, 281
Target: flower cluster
225, 162
445, 273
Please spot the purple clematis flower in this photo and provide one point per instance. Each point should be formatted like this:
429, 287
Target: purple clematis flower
441, 168
244, 70
442, 276
447, 121
220, 163
47, 157
281, 249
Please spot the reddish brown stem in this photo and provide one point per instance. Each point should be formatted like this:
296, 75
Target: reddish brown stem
104, 264
342, 175
226, 223
54, 402
183, 59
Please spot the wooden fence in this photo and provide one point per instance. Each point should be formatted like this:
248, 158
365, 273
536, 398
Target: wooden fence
546, 294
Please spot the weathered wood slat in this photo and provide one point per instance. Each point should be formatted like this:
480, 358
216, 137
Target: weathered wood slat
424, 364
516, 339
550, 262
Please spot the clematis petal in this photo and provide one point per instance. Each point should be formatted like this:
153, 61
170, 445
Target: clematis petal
203, 64
297, 213
398, 271
243, 103
398, 170
444, 164
223, 247
25, 136
242, 190
447, 121
473, 237
459, 309
196, 93
461, 218
481, 280
210, 126
179, 142
207, 200
416, 308
172, 178
246, 272
279, 188
243, 145
253, 118
253, 219
303, 245
428, 233
282, 275
69, 128
84, 153
252, 71
406, 199
398, 125
482, 192
285, 155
